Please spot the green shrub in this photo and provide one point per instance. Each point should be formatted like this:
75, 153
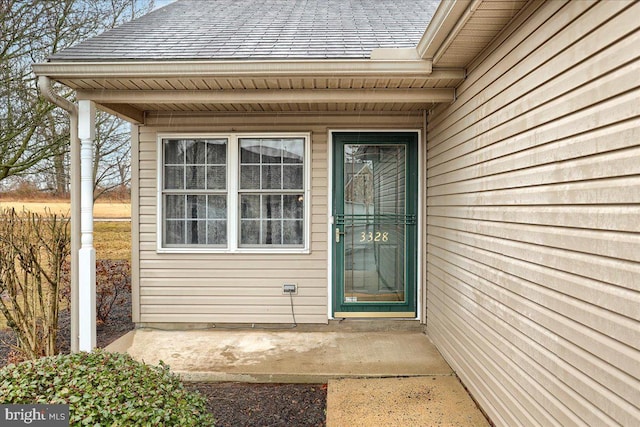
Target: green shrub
106, 389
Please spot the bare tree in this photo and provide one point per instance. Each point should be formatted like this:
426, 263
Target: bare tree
112, 158
33, 250
34, 137
21, 110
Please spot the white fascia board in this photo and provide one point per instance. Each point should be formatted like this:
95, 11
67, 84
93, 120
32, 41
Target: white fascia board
236, 69
425, 95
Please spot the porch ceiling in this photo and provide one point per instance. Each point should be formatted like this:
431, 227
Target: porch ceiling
132, 89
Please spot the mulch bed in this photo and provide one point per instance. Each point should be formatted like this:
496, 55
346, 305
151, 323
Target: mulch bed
232, 404
244, 404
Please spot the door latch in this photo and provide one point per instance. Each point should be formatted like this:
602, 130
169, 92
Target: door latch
338, 233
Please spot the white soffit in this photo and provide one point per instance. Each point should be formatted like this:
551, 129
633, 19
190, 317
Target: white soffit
461, 29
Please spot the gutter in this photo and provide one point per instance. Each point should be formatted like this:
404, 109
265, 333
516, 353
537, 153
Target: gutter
44, 85
61, 70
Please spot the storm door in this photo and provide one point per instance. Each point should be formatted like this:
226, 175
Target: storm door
375, 190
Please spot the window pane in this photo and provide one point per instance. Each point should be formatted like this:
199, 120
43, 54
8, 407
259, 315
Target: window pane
271, 206
217, 232
217, 207
293, 151
175, 206
272, 177
250, 177
173, 152
217, 152
249, 206
195, 150
216, 177
292, 177
196, 232
271, 232
196, 206
292, 233
271, 151
293, 206
174, 233
249, 232
195, 177
174, 177
249, 151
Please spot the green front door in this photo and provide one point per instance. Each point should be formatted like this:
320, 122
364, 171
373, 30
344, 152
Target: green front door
375, 200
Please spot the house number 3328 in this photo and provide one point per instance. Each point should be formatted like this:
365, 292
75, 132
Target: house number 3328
378, 236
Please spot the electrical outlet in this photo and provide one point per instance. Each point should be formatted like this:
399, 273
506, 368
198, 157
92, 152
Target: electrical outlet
289, 288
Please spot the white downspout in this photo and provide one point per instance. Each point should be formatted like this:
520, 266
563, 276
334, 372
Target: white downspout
44, 84
83, 259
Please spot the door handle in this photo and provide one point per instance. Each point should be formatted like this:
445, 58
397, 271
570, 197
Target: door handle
338, 233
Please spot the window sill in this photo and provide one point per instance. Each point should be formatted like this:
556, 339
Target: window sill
260, 251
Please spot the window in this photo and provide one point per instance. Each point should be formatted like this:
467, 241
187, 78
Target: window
234, 193
271, 191
195, 192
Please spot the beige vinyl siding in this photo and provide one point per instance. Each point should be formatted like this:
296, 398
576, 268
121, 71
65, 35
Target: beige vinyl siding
533, 247
240, 287
389, 183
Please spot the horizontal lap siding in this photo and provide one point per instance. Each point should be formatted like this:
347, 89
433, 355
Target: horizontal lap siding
533, 247
240, 288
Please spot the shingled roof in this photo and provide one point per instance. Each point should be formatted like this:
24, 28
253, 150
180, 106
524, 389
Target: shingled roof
260, 29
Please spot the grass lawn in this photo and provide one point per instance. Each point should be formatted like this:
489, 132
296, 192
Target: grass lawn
101, 209
112, 240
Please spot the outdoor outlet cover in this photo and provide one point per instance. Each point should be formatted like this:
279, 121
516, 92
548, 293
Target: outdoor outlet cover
289, 288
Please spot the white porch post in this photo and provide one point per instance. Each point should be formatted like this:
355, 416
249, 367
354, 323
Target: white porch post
87, 253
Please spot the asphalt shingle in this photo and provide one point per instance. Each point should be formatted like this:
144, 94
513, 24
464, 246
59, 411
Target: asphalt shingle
262, 29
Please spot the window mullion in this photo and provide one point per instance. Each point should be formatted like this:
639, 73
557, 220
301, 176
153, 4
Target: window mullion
184, 220
233, 179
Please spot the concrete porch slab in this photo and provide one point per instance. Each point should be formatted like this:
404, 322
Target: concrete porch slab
285, 356
394, 377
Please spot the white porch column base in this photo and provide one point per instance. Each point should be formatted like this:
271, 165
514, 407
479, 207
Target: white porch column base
87, 298
87, 253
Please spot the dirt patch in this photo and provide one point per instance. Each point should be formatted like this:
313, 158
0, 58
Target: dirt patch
232, 404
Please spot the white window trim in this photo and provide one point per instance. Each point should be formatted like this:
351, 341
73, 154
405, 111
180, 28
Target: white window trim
233, 177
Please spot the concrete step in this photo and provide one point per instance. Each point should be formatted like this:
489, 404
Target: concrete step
285, 356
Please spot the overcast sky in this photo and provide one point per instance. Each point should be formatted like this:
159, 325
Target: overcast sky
160, 3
